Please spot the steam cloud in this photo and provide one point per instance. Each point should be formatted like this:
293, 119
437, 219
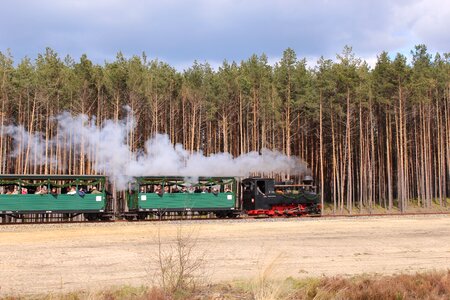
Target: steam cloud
113, 157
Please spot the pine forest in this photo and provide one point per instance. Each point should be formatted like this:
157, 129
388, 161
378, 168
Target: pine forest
373, 137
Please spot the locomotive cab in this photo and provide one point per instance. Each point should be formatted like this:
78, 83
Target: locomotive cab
256, 192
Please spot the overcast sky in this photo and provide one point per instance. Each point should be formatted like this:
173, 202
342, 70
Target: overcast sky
181, 31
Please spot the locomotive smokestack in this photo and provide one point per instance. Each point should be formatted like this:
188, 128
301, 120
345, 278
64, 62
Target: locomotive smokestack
308, 180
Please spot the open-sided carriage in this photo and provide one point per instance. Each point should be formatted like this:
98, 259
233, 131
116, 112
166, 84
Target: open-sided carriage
160, 196
53, 196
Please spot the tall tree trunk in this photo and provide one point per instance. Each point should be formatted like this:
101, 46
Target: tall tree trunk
388, 161
349, 157
321, 155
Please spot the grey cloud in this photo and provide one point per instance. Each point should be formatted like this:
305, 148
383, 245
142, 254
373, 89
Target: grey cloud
180, 31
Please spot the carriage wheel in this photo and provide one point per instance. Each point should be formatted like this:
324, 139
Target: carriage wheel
142, 216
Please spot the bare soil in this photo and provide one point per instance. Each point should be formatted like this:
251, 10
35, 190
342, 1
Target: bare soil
64, 257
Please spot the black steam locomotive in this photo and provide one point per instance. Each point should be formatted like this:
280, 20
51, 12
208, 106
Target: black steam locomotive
264, 196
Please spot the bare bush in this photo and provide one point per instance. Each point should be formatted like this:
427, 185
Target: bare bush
180, 263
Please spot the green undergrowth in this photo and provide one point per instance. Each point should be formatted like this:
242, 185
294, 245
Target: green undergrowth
429, 285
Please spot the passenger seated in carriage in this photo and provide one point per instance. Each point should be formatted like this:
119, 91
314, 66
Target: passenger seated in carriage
72, 190
159, 190
53, 191
44, 190
215, 191
95, 191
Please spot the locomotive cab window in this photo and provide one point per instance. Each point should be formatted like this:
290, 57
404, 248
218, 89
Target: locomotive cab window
261, 187
248, 186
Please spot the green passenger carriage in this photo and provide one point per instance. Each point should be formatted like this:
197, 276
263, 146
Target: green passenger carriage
22, 195
162, 195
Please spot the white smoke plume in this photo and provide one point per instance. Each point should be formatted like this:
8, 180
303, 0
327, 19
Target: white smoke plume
114, 158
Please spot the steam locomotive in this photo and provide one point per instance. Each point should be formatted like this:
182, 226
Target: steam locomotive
264, 196
35, 197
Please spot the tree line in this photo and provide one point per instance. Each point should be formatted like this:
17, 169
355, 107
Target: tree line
371, 136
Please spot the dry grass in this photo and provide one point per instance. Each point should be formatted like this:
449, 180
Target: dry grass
430, 285
268, 284
124, 292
